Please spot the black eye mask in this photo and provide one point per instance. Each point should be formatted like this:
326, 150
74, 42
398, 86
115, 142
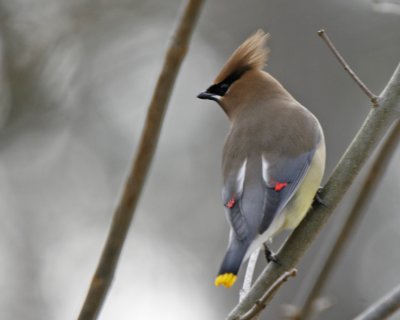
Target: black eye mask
221, 88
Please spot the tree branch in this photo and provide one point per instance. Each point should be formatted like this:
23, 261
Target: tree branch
352, 74
124, 212
383, 308
248, 278
370, 184
374, 128
261, 303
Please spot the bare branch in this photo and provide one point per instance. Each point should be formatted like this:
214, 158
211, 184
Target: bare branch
383, 308
262, 302
248, 278
125, 210
372, 131
322, 33
367, 190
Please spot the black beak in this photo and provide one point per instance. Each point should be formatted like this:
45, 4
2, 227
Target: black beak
205, 95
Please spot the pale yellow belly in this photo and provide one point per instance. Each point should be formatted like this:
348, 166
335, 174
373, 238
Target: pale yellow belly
302, 200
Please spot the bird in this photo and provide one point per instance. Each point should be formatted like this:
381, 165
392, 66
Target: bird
273, 159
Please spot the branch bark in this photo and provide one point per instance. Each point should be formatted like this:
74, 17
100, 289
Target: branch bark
370, 184
248, 277
383, 308
261, 303
372, 131
346, 67
125, 210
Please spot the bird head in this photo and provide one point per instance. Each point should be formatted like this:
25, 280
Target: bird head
239, 79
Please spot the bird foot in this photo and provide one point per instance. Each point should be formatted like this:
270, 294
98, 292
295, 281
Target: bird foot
318, 199
270, 256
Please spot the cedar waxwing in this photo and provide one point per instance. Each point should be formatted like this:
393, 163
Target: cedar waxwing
273, 158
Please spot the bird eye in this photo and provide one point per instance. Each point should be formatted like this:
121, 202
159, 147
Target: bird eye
224, 87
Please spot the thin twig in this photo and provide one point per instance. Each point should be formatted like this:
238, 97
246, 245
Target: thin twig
125, 210
248, 278
370, 184
373, 98
368, 137
383, 308
261, 303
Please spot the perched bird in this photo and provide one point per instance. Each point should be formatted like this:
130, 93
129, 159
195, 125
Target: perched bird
273, 158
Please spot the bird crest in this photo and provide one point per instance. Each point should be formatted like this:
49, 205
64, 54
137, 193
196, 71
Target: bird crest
252, 54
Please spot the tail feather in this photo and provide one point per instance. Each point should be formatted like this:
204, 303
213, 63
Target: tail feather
233, 259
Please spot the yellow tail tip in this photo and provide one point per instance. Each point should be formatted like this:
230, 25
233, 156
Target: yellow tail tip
226, 279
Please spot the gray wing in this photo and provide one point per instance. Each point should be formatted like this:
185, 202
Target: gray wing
252, 205
232, 194
282, 178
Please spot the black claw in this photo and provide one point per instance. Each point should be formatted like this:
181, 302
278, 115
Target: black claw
318, 199
270, 256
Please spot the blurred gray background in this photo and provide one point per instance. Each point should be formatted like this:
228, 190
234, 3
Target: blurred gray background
75, 80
